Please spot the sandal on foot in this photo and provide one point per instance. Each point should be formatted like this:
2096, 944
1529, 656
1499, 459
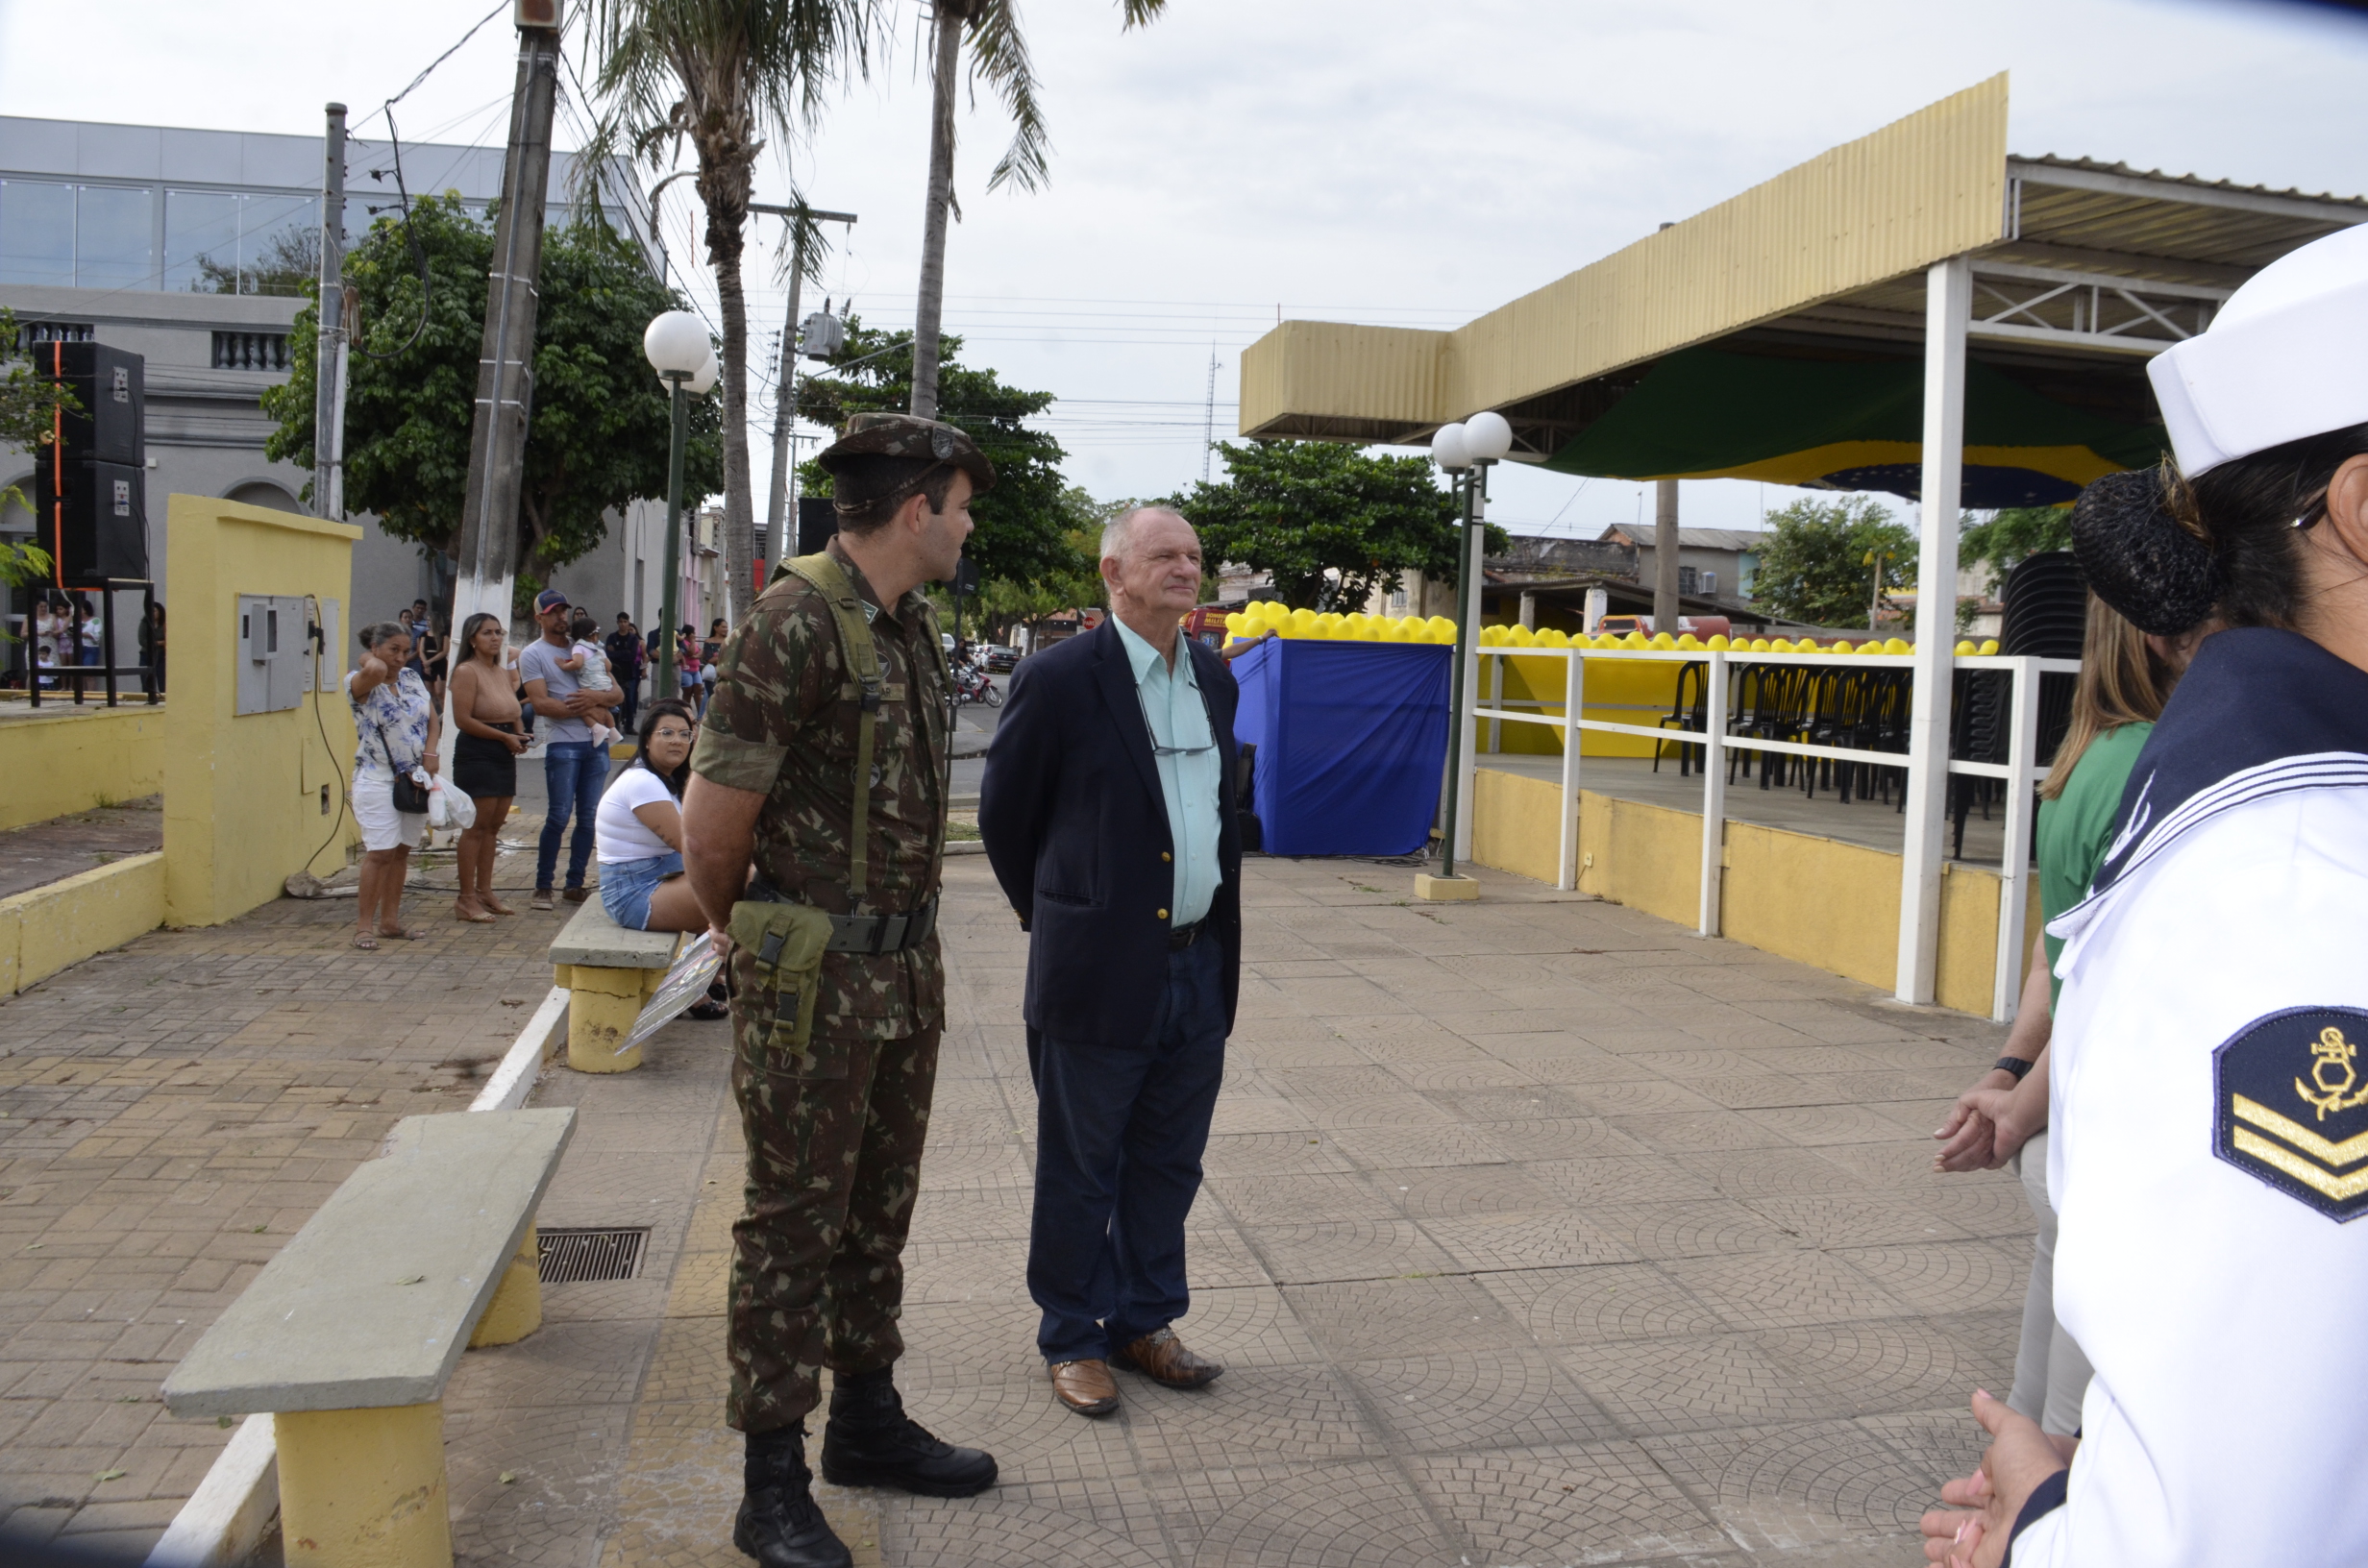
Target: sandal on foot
399, 934
471, 917
364, 940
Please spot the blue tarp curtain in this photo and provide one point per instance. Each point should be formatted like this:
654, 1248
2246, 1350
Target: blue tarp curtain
1352, 742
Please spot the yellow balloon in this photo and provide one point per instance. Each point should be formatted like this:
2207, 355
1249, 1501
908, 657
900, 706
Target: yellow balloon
1718, 643
1662, 639
1395, 632
1553, 637
1965, 647
1635, 639
1442, 627
1989, 646
1896, 646
1688, 640
1524, 637
1842, 647
1761, 644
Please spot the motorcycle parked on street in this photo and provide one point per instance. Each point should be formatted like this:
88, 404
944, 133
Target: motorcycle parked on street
971, 684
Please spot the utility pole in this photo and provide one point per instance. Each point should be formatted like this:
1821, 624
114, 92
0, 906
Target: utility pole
1208, 419
1665, 558
785, 411
505, 358
329, 367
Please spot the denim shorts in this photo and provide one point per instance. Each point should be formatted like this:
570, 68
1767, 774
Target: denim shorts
625, 886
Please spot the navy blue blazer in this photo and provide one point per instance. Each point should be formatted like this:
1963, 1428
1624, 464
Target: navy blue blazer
1076, 830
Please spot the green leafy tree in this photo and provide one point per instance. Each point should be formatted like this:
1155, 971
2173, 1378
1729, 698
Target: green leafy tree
2008, 537
1302, 511
601, 424
1022, 522
1005, 602
29, 405
1814, 567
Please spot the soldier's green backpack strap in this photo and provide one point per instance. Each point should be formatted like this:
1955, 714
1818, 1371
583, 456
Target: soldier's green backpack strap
830, 578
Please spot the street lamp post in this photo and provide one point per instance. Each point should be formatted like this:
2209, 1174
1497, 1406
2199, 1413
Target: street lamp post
1469, 448
678, 350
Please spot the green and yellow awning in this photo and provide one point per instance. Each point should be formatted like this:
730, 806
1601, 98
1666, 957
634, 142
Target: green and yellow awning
1847, 425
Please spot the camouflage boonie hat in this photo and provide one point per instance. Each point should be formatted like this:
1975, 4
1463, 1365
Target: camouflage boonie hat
909, 435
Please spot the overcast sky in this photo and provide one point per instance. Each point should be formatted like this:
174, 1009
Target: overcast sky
1388, 161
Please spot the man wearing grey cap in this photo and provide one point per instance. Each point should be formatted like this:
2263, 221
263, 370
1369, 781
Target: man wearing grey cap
821, 766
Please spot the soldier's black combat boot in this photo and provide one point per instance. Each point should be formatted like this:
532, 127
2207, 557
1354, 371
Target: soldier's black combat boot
872, 1442
779, 1524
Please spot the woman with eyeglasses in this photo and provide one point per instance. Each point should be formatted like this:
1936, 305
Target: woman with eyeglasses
638, 833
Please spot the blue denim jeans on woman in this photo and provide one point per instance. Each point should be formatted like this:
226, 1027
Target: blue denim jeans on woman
575, 772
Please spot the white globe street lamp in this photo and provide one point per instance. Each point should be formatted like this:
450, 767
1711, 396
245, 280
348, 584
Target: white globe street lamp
681, 352
702, 380
1486, 436
1449, 449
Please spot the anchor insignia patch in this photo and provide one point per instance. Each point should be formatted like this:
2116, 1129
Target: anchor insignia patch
2292, 1106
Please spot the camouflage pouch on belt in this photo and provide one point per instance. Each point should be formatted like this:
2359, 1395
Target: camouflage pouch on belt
787, 942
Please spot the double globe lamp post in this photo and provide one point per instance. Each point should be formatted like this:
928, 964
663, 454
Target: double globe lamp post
683, 356
1466, 450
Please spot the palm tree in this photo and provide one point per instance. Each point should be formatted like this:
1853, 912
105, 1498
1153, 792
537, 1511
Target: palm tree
725, 75
999, 56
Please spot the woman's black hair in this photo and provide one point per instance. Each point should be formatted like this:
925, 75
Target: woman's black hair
2167, 552
666, 708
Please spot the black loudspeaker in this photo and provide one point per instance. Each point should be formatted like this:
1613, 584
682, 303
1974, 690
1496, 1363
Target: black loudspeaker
816, 520
109, 385
93, 520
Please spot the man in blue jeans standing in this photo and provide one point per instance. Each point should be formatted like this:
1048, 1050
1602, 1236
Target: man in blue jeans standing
575, 771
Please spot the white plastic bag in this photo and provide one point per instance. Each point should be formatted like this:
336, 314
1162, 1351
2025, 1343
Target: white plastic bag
448, 807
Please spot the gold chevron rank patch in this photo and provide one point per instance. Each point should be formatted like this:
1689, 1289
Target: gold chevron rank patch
2292, 1097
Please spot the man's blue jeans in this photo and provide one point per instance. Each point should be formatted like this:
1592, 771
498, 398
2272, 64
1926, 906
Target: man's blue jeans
1121, 1127
575, 772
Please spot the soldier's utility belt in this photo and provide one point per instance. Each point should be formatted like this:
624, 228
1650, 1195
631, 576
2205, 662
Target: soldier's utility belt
872, 934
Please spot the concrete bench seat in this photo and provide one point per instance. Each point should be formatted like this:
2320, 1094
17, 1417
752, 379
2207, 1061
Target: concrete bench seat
609, 974
350, 1333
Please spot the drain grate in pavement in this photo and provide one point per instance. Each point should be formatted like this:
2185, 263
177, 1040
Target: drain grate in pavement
563, 1256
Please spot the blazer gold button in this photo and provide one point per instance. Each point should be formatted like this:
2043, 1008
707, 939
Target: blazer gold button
1165, 856
1163, 913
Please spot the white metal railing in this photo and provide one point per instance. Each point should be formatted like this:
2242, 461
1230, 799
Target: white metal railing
2022, 764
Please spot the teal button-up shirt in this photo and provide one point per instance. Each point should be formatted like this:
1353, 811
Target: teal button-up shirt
1185, 753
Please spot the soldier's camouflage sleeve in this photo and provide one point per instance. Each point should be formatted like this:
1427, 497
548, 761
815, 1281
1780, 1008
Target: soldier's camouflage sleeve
769, 682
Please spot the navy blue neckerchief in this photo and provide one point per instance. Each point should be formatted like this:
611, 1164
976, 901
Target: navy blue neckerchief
2260, 712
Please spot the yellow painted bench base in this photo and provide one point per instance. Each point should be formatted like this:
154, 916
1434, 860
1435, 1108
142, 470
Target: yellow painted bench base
600, 1009
363, 1488
516, 1308
1444, 888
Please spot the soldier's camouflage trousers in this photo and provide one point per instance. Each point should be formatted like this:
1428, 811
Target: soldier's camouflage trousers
834, 1161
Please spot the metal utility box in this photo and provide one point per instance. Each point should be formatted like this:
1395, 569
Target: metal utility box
275, 653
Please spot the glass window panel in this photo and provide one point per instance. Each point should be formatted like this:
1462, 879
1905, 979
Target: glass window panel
37, 233
280, 244
201, 241
114, 237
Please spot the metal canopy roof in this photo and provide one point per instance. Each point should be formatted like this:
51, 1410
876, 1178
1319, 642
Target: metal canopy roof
2081, 271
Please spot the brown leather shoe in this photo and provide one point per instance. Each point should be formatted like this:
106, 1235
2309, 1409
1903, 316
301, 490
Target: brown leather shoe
1162, 1357
1086, 1388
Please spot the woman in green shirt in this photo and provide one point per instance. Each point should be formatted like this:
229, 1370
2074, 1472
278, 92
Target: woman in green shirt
2125, 678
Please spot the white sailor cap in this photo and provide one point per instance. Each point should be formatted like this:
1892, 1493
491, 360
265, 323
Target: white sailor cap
2286, 357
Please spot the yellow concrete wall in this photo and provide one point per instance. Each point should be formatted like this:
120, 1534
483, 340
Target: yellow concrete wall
65, 921
242, 809
1816, 900
1623, 690
76, 758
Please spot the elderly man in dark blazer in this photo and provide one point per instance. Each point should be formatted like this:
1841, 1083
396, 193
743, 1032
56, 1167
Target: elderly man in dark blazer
1108, 812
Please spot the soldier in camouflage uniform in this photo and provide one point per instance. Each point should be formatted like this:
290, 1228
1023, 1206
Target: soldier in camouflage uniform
835, 1127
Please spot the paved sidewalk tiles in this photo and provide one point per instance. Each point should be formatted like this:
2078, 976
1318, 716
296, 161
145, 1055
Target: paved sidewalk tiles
1536, 1231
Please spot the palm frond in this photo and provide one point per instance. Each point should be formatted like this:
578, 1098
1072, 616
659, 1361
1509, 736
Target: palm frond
1141, 12
998, 58
805, 237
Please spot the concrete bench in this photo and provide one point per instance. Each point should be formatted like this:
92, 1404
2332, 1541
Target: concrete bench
349, 1335
609, 974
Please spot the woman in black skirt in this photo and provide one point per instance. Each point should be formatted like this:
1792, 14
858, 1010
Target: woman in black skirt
485, 759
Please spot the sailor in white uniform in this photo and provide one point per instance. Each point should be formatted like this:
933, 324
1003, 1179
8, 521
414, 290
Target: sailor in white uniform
2209, 1090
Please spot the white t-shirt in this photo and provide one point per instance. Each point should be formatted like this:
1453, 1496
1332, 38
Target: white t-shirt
618, 835
594, 675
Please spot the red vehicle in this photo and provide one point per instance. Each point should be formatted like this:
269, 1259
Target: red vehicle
1704, 626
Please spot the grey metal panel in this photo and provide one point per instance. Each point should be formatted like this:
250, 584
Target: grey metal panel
293, 161
118, 152
208, 158
36, 146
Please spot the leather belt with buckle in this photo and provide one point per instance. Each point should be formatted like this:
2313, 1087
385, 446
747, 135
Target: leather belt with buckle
872, 934
1184, 935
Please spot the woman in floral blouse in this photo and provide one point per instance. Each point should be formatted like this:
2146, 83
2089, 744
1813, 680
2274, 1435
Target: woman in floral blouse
396, 727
